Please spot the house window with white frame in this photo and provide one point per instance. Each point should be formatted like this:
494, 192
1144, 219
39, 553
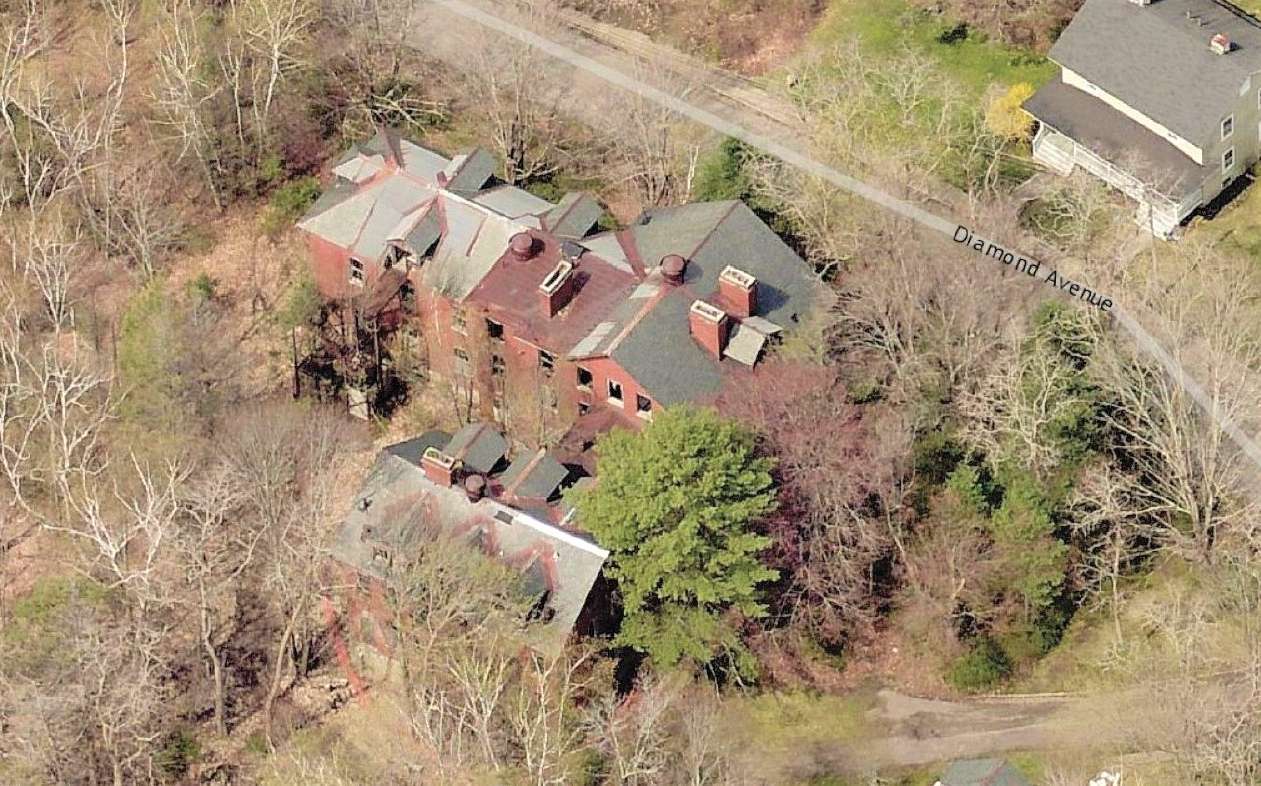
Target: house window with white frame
1228, 159
615, 393
1228, 126
643, 406
357, 276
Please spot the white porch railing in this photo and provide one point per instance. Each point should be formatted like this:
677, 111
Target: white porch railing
1156, 211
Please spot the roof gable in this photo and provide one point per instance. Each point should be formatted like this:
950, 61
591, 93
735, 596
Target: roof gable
1156, 59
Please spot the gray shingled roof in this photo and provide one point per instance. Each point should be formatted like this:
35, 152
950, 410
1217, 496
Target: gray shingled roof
661, 355
659, 351
479, 445
534, 476
1158, 61
412, 449
471, 171
401, 508
574, 216
1115, 137
983, 772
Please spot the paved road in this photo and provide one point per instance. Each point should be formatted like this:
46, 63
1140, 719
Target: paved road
777, 140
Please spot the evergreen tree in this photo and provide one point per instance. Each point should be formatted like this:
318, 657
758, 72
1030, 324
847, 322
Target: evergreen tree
675, 506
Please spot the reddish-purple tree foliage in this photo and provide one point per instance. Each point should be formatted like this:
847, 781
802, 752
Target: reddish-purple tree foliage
840, 477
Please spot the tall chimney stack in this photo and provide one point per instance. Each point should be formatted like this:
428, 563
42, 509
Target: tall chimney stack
557, 289
709, 325
738, 291
439, 467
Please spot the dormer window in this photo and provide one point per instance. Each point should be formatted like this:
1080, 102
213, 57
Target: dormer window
1228, 126
643, 406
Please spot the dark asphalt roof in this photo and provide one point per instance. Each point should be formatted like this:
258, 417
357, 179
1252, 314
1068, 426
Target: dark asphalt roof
1115, 137
480, 446
659, 351
474, 171
336, 193
661, 355
534, 476
428, 230
1156, 58
412, 449
574, 216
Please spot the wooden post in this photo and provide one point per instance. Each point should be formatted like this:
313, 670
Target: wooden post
297, 380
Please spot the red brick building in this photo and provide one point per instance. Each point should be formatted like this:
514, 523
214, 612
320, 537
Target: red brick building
535, 311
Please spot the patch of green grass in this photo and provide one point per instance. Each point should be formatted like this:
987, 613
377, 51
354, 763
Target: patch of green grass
790, 720
966, 56
35, 632
1239, 225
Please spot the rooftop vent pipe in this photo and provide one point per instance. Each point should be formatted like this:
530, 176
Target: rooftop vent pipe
521, 247
673, 267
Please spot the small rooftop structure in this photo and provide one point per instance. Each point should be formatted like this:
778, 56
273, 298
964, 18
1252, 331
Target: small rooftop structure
982, 772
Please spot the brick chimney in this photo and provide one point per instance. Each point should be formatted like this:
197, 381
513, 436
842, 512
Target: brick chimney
438, 467
557, 289
738, 291
709, 325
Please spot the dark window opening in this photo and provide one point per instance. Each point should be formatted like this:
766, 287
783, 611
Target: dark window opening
547, 362
615, 391
643, 404
407, 296
494, 330
496, 365
356, 271
585, 378
583, 408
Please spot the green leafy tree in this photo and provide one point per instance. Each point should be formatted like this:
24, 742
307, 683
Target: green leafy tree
675, 505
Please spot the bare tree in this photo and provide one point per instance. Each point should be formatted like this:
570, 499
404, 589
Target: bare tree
633, 734
214, 551
541, 715
654, 150
511, 87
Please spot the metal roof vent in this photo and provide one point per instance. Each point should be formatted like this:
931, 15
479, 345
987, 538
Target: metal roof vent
672, 268
522, 247
1220, 44
474, 487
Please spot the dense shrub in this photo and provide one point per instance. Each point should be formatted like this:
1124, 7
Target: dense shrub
288, 203
983, 666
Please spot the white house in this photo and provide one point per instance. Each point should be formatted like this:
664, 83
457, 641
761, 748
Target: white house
1159, 98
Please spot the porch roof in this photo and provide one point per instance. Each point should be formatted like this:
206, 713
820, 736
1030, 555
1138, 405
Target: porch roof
1124, 143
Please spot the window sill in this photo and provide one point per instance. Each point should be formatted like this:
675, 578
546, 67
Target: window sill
616, 402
